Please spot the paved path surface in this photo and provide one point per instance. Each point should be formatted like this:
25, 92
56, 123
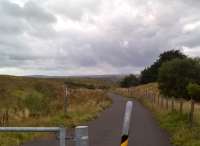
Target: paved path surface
106, 130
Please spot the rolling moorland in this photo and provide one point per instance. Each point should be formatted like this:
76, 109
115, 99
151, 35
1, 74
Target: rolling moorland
30, 101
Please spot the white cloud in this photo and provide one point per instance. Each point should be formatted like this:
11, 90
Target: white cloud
192, 26
66, 37
192, 52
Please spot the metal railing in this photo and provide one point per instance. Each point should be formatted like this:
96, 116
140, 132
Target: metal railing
81, 133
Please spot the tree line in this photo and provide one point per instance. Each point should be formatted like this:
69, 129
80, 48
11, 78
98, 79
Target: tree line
178, 75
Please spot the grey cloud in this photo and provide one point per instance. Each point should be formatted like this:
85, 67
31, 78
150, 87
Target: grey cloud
74, 9
30, 11
11, 26
30, 18
33, 12
117, 37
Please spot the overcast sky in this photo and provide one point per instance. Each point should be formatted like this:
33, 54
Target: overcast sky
84, 37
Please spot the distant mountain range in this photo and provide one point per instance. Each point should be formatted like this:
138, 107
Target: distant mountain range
113, 77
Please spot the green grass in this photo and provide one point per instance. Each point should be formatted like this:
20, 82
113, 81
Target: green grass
177, 125
15, 139
179, 128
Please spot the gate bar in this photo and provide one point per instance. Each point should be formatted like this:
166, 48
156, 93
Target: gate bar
61, 130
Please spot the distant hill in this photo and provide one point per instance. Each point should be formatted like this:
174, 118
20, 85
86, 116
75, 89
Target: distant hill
112, 78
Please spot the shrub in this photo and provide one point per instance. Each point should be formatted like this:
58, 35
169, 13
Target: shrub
36, 102
194, 91
129, 81
175, 75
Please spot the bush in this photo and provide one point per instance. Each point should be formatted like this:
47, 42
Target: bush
36, 103
194, 91
175, 75
45, 88
129, 81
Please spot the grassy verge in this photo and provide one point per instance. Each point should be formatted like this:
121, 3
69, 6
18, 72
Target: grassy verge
176, 124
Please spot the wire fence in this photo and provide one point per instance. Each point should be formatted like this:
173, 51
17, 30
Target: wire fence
151, 95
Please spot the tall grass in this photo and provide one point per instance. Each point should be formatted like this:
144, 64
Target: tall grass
176, 123
39, 102
151, 90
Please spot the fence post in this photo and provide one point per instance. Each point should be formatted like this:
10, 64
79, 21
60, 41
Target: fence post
62, 136
126, 124
65, 100
129, 92
162, 101
172, 104
82, 138
0, 119
181, 106
7, 117
4, 119
191, 115
158, 99
167, 103
146, 93
154, 98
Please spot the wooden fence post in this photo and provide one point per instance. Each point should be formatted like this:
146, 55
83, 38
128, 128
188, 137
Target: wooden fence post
145, 93
154, 99
191, 115
181, 106
1, 119
172, 105
65, 99
167, 103
158, 99
162, 101
7, 117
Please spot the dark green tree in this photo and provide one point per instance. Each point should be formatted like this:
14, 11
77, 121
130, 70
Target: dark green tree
194, 91
150, 74
175, 75
129, 81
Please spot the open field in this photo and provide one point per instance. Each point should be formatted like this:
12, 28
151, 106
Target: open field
39, 102
175, 122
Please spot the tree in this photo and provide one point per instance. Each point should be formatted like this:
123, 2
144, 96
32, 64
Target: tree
194, 91
175, 75
129, 81
150, 74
